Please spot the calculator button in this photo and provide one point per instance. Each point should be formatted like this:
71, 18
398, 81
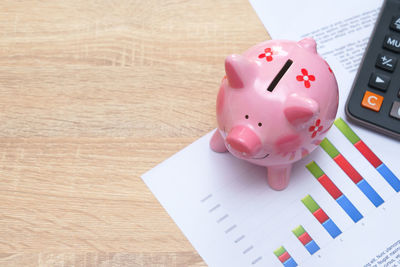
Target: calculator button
372, 101
395, 111
392, 43
386, 62
379, 81
395, 24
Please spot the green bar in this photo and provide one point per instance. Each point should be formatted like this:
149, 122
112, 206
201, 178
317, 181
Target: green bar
298, 231
310, 204
315, 169
329, 148
346, 130
279, 251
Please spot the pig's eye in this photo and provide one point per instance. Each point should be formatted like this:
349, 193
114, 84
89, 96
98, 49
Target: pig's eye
246, 117
259, 124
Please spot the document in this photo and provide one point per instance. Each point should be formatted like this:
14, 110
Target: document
336, 211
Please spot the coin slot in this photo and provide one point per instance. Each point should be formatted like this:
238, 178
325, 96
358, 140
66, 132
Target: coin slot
280, 74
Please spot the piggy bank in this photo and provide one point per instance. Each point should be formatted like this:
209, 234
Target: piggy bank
275, 105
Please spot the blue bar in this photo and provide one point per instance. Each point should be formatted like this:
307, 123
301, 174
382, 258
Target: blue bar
312, 247
332, 228
290, 263
349, 208
370, 192
389, 176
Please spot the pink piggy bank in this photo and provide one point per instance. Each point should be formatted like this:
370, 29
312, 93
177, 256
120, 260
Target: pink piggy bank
275, 105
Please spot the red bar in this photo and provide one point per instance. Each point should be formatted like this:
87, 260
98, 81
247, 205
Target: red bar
305, 238
347, 168
368, 154
320, 215
284, 257
329, 186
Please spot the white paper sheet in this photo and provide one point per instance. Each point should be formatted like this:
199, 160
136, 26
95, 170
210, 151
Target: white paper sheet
230, 215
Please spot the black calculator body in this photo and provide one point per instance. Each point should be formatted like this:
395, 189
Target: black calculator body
374, 100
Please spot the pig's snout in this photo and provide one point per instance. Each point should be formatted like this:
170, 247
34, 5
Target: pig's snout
244, 140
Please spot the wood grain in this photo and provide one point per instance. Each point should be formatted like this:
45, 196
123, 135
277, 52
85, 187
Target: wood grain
92, 95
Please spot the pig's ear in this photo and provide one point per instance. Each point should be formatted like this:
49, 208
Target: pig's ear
240, 70
299, 110
309, 44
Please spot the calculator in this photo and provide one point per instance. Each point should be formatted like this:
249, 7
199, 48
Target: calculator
374, 100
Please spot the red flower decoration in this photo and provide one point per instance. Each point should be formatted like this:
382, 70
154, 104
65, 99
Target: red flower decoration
329, 68
306, 78
267, 54
316, 128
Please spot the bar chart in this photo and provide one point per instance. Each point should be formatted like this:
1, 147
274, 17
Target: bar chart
381, 167
341, 197
321, 216
334, 191
305, 239
285, 257
352, 173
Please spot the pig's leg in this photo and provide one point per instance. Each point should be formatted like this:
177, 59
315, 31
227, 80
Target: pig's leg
217, 143
278, 176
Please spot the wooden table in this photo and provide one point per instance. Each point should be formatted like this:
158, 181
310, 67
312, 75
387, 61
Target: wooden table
92, 95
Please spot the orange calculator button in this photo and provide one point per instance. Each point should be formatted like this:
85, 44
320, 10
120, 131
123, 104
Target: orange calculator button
372, 101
